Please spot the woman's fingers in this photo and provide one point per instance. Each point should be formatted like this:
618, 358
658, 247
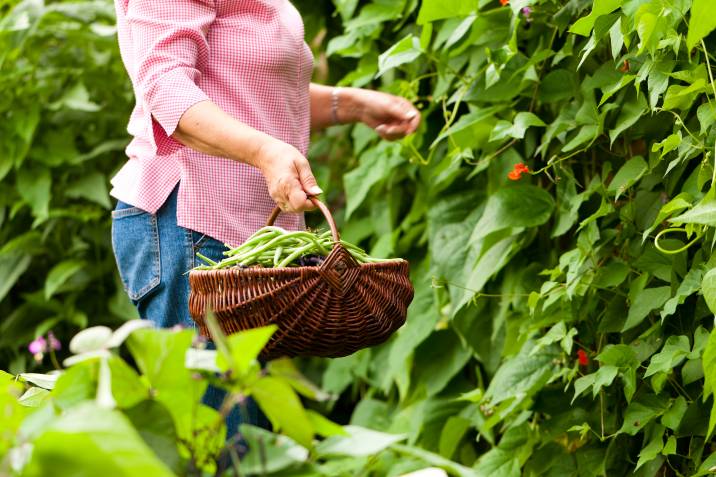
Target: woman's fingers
288, 176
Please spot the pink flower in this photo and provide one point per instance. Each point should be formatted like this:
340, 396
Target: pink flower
54, 342
527, 11
38, 345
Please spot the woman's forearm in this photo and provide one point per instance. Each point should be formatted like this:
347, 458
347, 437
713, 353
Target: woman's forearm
206, 128
391, 116
327, 109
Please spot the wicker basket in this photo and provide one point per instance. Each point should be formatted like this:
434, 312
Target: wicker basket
331, 310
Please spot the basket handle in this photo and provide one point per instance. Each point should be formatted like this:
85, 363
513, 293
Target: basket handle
324, 210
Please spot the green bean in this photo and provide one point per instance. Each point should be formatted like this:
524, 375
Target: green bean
206, 259
275, 247
260, 236
277, 256
296, 254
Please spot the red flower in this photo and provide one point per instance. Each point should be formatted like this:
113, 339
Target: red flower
504, 2
516, 173
582, 357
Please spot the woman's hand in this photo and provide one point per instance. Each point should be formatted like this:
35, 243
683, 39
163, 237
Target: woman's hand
205, 127
288, 175
391, 116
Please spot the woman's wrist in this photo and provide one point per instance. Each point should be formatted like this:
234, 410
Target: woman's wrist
346, 105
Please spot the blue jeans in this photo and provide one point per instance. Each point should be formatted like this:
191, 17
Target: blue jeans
153, 255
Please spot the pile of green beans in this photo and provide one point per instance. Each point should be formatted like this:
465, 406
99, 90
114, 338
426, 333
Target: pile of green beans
273, 246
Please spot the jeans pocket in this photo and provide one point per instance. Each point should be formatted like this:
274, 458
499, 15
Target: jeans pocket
135, 241
208, 247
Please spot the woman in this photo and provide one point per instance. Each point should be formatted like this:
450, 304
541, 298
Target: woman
224, 109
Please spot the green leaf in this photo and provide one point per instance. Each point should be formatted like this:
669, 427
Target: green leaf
682, 97
703, 213
708, 288
652, 448
283, 408
405, 51
650, 26
709, 365
431, 10
454, 430
156, 427
630, 113
269, 452
12, 266
621, 356
34, 187
245, 347
702, 21
673, 354
672, 417
89, 440
644, 303
516, 129
34, 397
324, 426
604, 377
584, 26
287, 370
438, 360
522, 375
92, 187
517, 206
642, 411
586, 134
498, 463
60, 274
376, 165
582, 384
360, 442
76, 97
628, 174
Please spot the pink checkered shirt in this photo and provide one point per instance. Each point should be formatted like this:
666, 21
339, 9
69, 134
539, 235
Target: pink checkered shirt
249, 58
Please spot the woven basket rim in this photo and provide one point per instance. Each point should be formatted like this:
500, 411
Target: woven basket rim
270, 270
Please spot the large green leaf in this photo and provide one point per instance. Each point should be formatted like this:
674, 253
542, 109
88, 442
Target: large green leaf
644, 303
642, 411
584, 26
521, 376
702, 21
269, 452
511, 207
376, 164
517, 128
89, 441
498, 463
405, 51
709, 365
708, 289
92, 187
358, 443
282, 406
431, 10
34, 187
60, 274
12, 266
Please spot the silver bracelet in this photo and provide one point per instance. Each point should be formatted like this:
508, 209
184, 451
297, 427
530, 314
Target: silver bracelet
334, 104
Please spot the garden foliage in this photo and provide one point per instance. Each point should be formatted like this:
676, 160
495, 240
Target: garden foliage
557, 206
561, 324
63, 115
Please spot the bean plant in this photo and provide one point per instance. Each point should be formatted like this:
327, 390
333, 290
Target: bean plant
557, 207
